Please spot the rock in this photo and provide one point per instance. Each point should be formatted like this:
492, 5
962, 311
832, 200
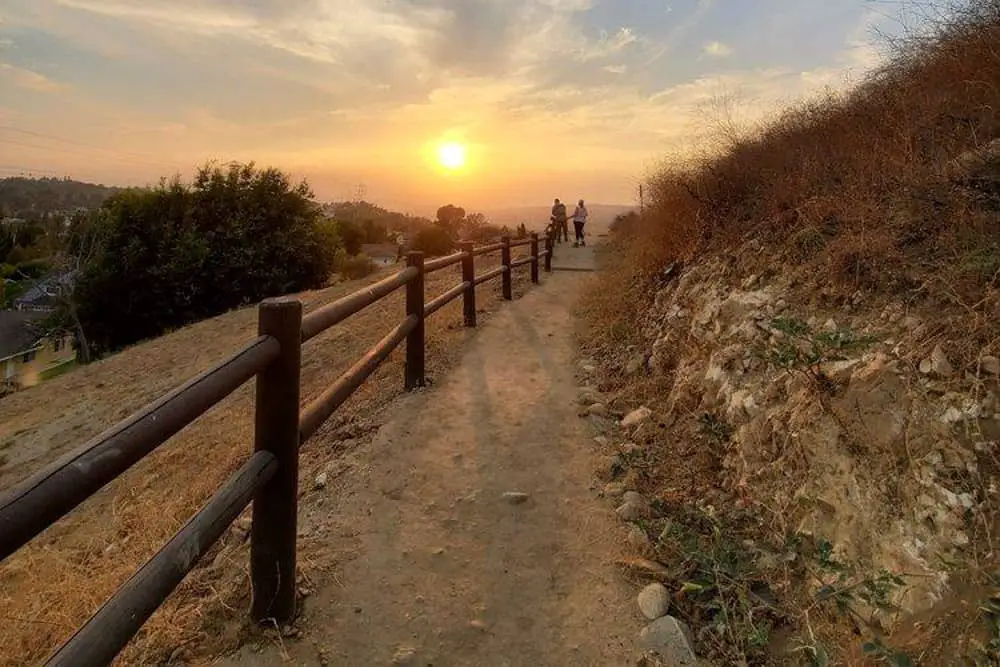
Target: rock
478, 625
630, 449
404, 657
830, 325
654, 601
637, 417
320, 481
598, 410
614, 490
602, 441
439, 551
587, 397
670, 638
926, 365
990, 364
516, 497
940, 365
638, 540
636, 365
633, 508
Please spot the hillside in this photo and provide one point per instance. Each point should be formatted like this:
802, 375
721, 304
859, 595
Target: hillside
24, 197
813, 318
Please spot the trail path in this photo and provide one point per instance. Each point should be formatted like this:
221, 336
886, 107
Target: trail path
434, 566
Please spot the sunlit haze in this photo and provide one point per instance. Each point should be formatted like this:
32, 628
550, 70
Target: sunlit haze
484, 103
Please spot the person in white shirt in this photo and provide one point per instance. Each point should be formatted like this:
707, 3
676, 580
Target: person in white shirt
579, 220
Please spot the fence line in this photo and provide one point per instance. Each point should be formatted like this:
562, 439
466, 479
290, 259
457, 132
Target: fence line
269, 478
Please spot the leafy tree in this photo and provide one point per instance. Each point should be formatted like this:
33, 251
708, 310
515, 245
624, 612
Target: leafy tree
434, 241
351, 235
450, 219
166, 257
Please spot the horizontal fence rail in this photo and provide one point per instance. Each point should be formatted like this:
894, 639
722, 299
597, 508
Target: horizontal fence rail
269, 478
38, 502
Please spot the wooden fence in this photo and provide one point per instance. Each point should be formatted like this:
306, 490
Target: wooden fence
269, 477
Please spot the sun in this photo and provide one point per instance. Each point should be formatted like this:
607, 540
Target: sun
451, 156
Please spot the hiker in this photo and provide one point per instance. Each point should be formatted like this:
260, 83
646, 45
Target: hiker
579, 220
559, 220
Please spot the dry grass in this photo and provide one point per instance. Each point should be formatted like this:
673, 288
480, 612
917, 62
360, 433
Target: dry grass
878, 189
891, 190
51, 586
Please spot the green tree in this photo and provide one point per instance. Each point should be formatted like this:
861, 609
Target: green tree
449, 218
175, 254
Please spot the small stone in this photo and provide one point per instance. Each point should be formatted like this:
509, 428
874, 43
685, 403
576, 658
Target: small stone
830, 325
990, 364
637, 417
633, 508
926, 366
587, 397
614, 490
631, 449
320, 481
670, 638
940, 365
438, 551
404, 657
516, 497
304, 592
639, 541
478, 625
654, 601
598, 410
602, 441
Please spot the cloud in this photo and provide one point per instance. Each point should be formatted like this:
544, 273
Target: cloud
29, 80
718, 49
615, 69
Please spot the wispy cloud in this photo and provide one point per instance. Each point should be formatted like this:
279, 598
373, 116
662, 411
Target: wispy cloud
347, 90
718, 49
29, 80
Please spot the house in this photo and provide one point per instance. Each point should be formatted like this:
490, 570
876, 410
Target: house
382, 254
44, 297
27, 356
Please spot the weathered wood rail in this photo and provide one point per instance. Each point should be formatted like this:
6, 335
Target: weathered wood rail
269, 477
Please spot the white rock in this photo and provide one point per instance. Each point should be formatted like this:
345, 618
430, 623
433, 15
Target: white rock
320, 481
671, 639
637, 417
516, 497
654, 601
630, 512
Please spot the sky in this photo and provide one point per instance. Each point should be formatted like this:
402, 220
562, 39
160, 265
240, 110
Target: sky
570, 98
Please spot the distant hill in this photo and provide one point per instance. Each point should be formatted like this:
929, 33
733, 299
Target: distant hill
21, 196
536, 217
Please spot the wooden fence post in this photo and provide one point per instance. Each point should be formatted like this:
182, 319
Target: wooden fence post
549, 246
469, 276
276, 430
534, 257
414, 371
506, 277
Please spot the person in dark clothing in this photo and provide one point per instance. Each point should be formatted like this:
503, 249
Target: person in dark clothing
560, 220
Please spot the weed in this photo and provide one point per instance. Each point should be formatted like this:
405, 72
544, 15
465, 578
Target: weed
988, 652
848, 591
714, 428
803, 350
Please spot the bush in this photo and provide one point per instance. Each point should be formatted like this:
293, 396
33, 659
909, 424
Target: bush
176, 254
353, 268
434, 241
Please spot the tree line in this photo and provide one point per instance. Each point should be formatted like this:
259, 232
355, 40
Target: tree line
149, 260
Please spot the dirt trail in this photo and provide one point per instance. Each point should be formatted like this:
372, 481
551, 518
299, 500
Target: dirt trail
433, 564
